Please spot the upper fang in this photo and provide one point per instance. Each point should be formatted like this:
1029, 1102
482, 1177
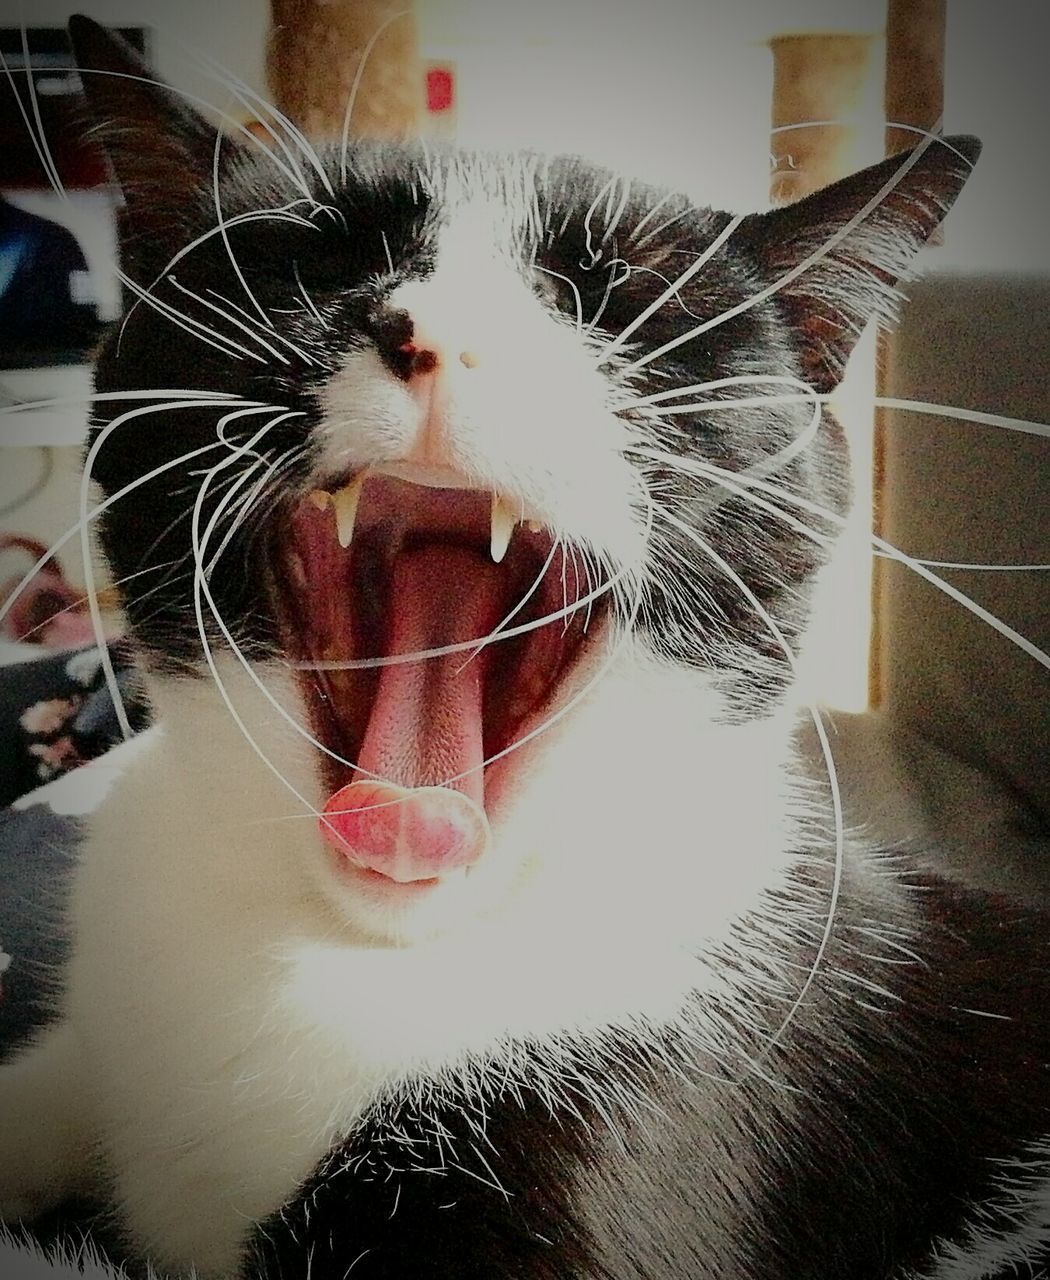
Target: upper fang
503, 521
345, 501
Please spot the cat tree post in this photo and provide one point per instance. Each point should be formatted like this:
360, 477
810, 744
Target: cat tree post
322, 52
822, 94
913, 96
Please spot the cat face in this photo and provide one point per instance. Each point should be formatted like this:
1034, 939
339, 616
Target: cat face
484, 411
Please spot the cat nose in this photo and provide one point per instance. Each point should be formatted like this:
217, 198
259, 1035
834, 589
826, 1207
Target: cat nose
412, 350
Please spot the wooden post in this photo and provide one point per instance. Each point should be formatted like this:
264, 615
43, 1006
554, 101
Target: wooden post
819, 77
914, 95
322, 53
915, 31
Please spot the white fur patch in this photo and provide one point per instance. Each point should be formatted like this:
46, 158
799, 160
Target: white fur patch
1023, 1199
20, 1261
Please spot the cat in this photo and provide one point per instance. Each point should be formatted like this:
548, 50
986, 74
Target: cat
541, 955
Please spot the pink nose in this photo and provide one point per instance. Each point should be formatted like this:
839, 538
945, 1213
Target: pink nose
405, 834
421, 359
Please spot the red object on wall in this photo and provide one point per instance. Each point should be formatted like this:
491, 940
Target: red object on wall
441, 89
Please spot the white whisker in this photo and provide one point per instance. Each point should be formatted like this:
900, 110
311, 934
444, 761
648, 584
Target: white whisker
834, 239
355, 85
272, 335
966, 415
576, 293
694, 267
76, 529
202, 594
225, 234
247, 96
202, 332
839, 853
307, 299
732, 480
238, 324
648, 217
281, 213
235, 125
85, 542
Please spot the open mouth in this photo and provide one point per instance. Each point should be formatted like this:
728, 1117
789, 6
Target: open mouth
433, 626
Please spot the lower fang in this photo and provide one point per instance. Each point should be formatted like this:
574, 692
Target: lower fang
345, 501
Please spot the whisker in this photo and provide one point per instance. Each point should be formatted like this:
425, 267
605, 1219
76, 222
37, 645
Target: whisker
839, 853
356, 85
85, 542
272, 334
72, 532
202, 332
717, 384
668, 195
306, 297
232, 122
36, 136
614, 282
966, 415
247, 96
50, 167
280, 213
224, 231
80, 600
930, 135
593, 254
76, 402
732, 480
834, 239
238, 324
694, 267
386, 250
202, 590
572, 285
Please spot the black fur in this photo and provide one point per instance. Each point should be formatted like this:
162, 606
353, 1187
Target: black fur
895, 1101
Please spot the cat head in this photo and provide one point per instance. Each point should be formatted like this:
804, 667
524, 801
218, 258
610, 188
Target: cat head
407, 398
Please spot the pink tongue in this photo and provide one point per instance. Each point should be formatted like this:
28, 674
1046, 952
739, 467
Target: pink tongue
410, 823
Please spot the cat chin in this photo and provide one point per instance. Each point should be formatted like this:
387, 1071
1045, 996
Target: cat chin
627, 810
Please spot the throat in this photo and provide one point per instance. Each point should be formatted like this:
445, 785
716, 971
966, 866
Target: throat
426, 725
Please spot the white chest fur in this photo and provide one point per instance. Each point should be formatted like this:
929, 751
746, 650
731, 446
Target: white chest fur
232, 1020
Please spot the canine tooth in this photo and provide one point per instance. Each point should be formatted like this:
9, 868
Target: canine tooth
503, 521
320, 498
345, 501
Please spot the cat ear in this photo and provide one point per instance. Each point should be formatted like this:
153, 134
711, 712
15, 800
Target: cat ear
846, 247
161, 151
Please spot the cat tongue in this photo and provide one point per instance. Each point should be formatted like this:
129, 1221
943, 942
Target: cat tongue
425, 726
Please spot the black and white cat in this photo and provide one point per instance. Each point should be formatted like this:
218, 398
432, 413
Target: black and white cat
537, 955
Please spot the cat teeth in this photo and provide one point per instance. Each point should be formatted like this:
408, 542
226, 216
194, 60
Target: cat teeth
345, 501
505, 516
504, 520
